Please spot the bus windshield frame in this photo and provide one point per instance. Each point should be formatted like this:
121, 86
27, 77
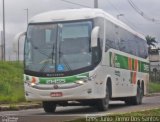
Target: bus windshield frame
58, 49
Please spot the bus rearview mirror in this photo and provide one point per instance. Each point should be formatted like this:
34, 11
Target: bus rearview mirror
94, 36
16, 40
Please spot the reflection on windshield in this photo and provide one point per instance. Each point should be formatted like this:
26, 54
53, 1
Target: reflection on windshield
58, 47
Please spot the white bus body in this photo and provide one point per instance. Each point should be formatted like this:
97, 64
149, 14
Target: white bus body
112, 65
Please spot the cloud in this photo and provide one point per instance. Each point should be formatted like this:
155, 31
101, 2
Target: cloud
16, 15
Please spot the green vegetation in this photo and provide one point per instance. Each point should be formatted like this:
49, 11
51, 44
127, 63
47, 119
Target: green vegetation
154, 87
143, 116
151, 41
11, 82
13, 107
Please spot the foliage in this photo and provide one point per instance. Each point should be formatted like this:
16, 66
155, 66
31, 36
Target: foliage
154, 87
151, 41
11, 82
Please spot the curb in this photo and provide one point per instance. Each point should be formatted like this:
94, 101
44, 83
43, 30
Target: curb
152, 94
14, 107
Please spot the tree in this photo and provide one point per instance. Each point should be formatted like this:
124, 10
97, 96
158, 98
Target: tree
151, 41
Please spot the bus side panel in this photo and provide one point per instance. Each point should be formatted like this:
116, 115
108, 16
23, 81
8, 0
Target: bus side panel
125, 72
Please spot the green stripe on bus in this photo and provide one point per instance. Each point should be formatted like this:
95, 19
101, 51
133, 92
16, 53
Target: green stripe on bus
120, 61
68, 79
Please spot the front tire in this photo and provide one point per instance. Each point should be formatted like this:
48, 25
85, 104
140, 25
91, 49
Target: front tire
49, 106
103, 104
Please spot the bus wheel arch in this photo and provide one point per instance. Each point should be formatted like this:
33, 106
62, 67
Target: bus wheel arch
109, 85
138, 83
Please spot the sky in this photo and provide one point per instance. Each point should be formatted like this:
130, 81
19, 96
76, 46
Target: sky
16, 15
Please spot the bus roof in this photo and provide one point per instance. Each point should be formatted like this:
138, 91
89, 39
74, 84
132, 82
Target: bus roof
78, 14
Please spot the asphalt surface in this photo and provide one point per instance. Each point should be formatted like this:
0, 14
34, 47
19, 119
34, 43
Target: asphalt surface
70, 113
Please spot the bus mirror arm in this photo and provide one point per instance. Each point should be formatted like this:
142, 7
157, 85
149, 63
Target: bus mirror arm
94, 36
19, 35
16, 40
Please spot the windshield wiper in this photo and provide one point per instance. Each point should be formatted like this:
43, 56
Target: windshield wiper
47, 60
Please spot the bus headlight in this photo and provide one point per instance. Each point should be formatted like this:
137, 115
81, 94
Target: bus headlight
85, 79
32, 82
29, 83
80, 82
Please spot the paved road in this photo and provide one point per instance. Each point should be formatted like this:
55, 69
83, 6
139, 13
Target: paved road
69, 113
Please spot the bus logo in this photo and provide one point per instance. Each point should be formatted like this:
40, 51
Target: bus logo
55, 86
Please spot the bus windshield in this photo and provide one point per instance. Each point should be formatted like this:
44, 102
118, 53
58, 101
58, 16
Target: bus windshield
58, 47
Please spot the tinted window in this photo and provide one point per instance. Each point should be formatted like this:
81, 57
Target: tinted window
120, 39
110, 36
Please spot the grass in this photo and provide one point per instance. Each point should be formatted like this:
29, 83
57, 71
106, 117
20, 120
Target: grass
143, 116
11, 82
154, 87
13, 107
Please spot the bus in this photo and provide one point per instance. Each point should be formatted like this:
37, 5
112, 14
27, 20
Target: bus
83, 57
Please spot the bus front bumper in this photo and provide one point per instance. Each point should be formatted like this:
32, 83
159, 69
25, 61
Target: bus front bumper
52, 93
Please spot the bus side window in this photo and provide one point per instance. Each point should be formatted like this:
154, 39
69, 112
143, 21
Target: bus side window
109, 34
143, 52
123, 45
132, 47
108, 44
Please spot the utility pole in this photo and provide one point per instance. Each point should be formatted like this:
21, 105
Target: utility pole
4, 38
27, 14
95, 3
18, 51
1, 46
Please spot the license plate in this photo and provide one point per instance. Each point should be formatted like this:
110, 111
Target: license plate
56, 94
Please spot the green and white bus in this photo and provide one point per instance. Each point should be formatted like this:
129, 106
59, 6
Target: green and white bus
86, 56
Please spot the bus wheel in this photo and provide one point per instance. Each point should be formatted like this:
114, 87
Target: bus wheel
128, 101
49, 106
103, 104
138, 98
